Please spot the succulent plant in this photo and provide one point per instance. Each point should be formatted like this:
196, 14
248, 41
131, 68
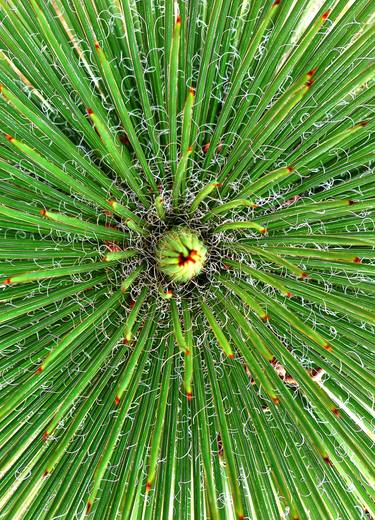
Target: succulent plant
186, 243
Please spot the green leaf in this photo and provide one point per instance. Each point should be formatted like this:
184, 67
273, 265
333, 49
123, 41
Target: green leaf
168, 348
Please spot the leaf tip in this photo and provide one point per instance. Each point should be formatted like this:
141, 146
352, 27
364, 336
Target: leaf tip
310, 83
327, 460
311, 72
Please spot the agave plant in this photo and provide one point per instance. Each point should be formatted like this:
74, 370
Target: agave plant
186, 217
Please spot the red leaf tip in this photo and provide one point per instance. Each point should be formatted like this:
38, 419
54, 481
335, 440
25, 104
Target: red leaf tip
231, 356
336, 412
39, 370
276, 401
88, 507
312, 72
357, 260
45, 473
9, 138
7, 281
45, 436
117, 400
326, 14
328, 347
148, 487
90, 111
304, 275
290, 169
192, 91
42, 212
189, 396
276, 3
266, 317
97, 46
327, 460
178, 19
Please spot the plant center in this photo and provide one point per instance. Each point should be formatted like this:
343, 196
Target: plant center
180, 254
